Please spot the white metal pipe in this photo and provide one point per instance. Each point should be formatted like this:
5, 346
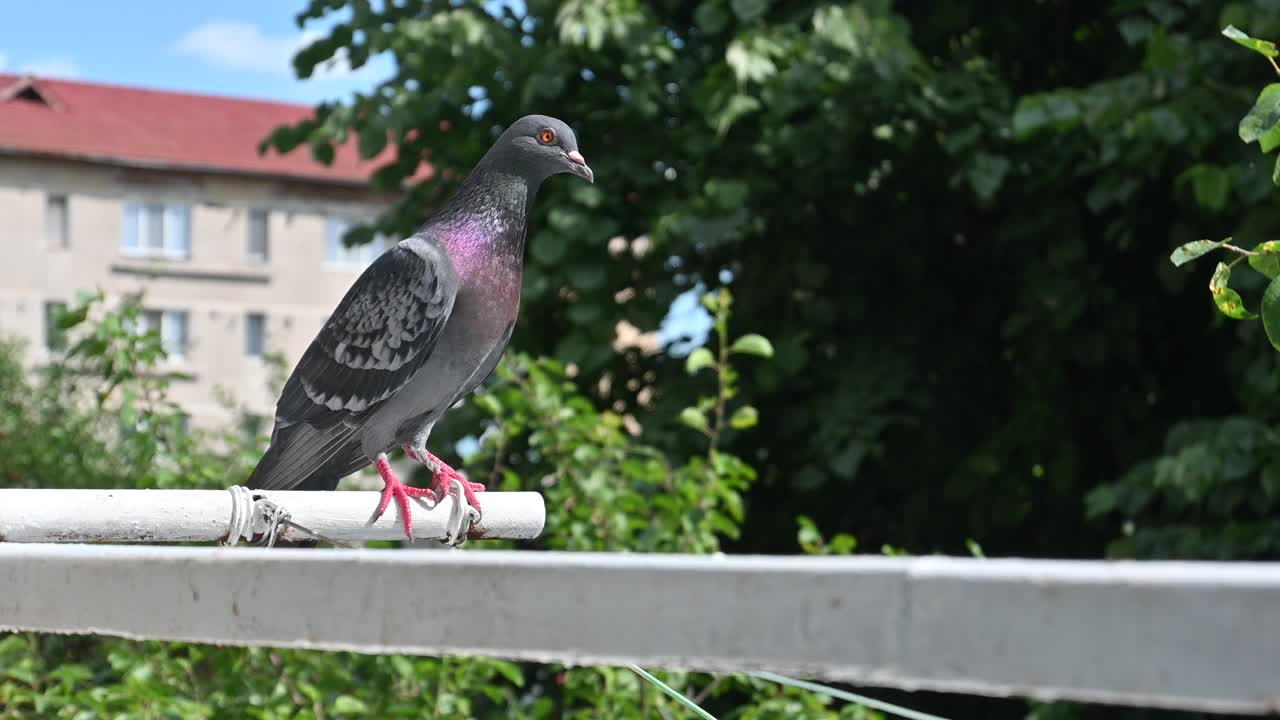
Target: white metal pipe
1193, 636
150, 516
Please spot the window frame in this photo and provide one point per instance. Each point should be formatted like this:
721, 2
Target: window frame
338, 256
61, 204
251, 255
140, 215
260, 318
55, 339
170, 330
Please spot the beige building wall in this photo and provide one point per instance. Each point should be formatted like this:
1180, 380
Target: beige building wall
218, 284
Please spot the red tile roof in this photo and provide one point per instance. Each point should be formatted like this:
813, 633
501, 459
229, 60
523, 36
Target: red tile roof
157, 128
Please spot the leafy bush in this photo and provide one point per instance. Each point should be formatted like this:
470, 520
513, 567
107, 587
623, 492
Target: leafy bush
1213, 492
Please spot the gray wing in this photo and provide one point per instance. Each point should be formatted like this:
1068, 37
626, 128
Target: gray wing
379, 336
381, 333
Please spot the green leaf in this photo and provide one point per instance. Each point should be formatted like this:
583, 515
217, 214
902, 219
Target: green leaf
1192, 250
698, 359
745, 417
710, 301
589, 276
751, 59
727, 194
711, 17
488, 403
735, 109
1275, 173
807, 533
1221, 276
349, 705
1270, 141
510, 671
753, 344
987, 173
372, 140
974, 548
323, 152
67, 319
1271, 313
1265, 47
749, 9
694, 418
1210, 183
843, 544
549, 247
1263, 117
1268, 263
1228, 301
1059, 111
585, 312
401, 665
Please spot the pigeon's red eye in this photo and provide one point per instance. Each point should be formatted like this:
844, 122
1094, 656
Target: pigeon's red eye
547, 136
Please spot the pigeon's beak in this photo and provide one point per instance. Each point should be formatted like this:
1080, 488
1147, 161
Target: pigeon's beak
580, 166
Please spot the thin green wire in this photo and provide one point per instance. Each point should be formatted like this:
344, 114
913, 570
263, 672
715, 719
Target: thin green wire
672, 692
850, 697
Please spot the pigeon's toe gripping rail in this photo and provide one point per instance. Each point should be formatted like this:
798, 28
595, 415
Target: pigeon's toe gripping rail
446, 481
443, 475
393, 488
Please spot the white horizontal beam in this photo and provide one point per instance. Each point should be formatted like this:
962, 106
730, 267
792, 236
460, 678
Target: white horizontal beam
1195, 636
78, 516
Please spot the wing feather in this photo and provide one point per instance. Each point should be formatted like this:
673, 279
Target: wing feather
381, 333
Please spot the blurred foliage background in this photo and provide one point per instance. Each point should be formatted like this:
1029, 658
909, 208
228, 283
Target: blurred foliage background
952, 224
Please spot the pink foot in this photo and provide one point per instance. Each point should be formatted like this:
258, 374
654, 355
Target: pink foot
442, 475
392, 487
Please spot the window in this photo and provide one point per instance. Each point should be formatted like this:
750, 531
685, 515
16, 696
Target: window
54, 337
155, 229
55, 222
172, 326
258, 248
336, 253
255, 335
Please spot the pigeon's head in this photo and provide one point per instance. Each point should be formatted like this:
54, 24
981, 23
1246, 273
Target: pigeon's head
540, 146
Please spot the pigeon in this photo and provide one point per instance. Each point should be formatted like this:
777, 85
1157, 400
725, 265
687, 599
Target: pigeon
419, 329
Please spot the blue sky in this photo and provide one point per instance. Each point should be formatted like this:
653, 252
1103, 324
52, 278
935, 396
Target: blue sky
232, 47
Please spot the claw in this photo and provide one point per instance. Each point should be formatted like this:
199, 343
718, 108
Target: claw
442, 474
393, 488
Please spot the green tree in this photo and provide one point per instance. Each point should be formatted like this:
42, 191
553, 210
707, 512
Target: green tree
1215, 490
944, 217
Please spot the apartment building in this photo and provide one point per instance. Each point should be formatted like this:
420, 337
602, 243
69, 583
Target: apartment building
133, 190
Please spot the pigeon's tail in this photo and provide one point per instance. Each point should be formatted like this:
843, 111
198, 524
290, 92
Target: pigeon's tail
302, 457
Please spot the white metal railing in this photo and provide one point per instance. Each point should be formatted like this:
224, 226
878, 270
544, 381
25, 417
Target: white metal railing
1184, 635
238, 513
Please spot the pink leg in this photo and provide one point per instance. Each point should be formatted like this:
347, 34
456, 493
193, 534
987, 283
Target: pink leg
392, 487
442, 475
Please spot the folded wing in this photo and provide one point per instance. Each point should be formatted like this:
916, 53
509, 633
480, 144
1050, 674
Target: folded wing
379, 336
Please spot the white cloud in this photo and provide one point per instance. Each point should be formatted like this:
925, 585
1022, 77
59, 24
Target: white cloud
61, 67
236, 45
